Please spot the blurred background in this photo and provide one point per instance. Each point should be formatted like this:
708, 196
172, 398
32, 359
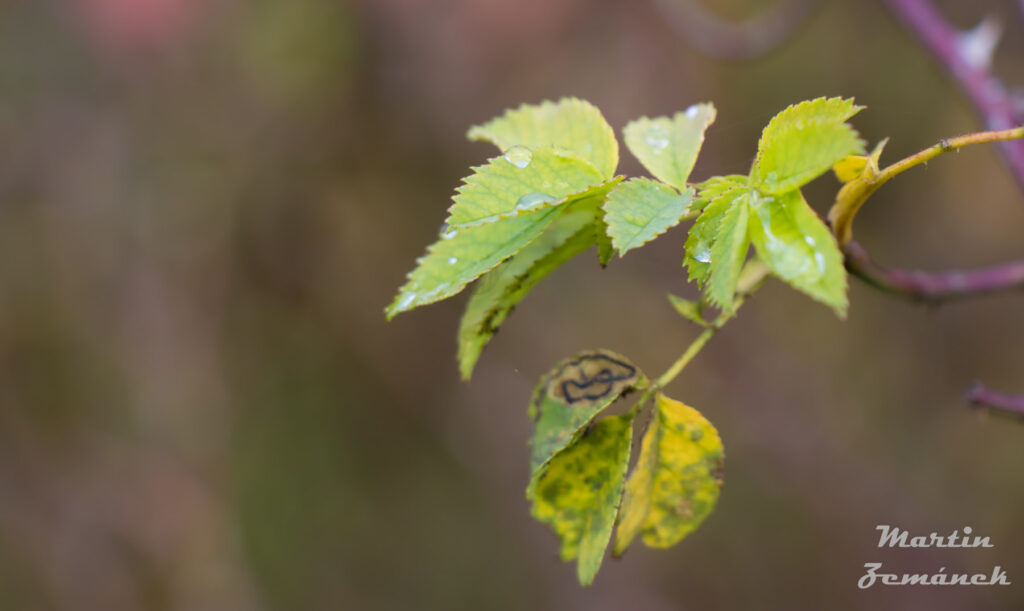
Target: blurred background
206, 205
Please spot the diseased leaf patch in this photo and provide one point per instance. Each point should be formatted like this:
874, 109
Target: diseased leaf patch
579, 490
572, 394
676, 481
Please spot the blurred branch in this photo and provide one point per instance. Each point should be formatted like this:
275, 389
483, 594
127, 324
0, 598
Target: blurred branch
967, 56
980, 396
933, 287
723, 39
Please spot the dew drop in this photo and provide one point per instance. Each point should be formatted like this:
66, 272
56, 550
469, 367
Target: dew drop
691, 112
657, 138
406, 300
820, 260
703, 255
519, 156
531, 201
453, 260
448, 233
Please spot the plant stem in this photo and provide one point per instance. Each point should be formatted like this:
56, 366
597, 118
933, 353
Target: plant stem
933, 287
853, 195
980, 396
988, 95
753, 275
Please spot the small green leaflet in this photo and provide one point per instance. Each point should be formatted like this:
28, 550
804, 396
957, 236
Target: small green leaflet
569, 124
804, 141
705, 232
676, 481
578, 493
519, 181
641, 209
668, 147
728, 252
570, 395
690, 310
499, 291
797, 246
715, 186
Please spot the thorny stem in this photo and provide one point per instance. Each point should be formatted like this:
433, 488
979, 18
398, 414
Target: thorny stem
988, 95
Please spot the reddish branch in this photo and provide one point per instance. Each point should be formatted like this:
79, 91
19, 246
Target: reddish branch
980, 396
990, 98
933, 286
996, 106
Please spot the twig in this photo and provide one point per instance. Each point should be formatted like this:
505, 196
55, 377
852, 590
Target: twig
986, 92
933, 287
719, 38
982, 397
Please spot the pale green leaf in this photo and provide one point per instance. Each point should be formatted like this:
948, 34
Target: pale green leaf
701, 240
668, 147
728, 252
715, 186
574, 231
570, 124
641, 209
578, 493
797, 246
463, 255
676, 481
569, 397
521, 180
804, 141
690, 310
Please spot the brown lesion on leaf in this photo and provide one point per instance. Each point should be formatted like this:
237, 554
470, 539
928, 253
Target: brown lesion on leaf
591, 377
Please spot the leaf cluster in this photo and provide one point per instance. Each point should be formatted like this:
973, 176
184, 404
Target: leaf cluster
552, 193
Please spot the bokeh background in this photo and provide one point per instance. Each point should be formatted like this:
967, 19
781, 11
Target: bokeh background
206, 204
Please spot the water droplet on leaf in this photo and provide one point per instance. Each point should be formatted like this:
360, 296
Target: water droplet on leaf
657, 138
519, 156
531, 201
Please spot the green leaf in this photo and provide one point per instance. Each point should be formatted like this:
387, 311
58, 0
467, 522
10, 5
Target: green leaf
701, 240
570, 124
804, 141
519, 181
463, 255
676, 481
574, 231
728, 252
797, 246
667, 147
641, 209
715, 186
690, 310
569, 397
578, 493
